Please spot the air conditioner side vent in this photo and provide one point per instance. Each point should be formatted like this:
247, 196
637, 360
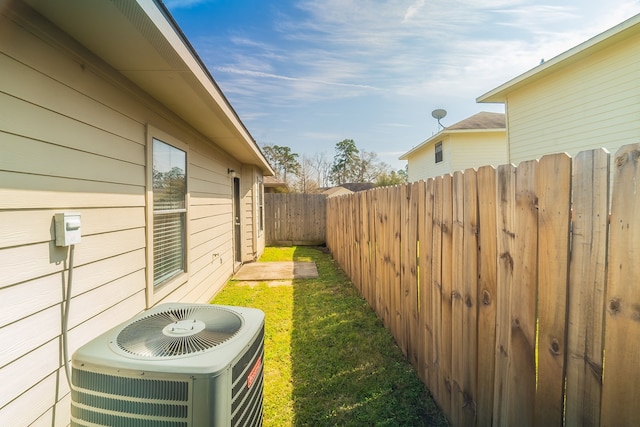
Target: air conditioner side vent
81, 417
131, 387
166, 410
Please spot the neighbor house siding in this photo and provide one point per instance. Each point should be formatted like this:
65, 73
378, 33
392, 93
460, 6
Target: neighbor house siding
474, 149
422, 164
461, 150
73, 137
589, 104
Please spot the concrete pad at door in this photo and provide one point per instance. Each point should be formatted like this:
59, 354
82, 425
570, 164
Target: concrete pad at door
277, 271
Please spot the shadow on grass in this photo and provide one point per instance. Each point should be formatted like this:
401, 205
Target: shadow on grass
346, 367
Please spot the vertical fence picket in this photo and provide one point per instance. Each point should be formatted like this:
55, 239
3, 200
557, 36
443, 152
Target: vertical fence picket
381, 252
388, 253
620, 392
522, 365
394, 263
506, 181
487, 295
373, 236
446, 279
457, 293
357, 236
587, 280
470, 298
401, 285
437, 385
410, 242
553, 189
366, 246
425, 231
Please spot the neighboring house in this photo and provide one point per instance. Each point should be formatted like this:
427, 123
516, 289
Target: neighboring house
108, 112
273, 185
584, 98
336, 191
347, 188
358, 186
476, 141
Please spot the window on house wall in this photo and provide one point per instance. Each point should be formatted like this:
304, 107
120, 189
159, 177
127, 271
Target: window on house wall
261, 203
169, 211
438, 152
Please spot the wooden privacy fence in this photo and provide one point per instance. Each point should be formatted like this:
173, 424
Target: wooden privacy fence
295, 219
497, 285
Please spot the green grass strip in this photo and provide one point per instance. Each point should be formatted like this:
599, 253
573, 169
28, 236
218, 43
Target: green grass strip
328, 358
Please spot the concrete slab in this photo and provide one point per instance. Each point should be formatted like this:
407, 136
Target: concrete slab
277, 271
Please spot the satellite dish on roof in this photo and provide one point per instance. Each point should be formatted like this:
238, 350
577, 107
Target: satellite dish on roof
439, 114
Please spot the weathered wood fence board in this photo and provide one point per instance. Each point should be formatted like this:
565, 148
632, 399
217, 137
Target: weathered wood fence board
587, 287
620, 393
487, 292
496, 284
295, 219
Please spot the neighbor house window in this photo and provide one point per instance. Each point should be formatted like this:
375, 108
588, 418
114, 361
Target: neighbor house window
169, 211
438, 152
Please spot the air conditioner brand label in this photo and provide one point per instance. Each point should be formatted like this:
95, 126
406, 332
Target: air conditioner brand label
254, 372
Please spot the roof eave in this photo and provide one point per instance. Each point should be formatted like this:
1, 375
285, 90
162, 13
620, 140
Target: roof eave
125, 35
599, 42
424, 143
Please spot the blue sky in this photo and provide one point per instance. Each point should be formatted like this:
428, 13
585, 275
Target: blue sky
309, 73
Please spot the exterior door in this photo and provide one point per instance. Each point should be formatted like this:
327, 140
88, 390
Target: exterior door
236, 221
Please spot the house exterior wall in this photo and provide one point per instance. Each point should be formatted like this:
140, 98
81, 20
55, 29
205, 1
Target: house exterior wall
476, 149
74, 136
252, 236
589, 104
461, 150
422, 163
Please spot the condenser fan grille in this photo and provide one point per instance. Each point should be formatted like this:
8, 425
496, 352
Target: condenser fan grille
178, 332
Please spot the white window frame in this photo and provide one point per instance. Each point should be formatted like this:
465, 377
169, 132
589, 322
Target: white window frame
440, 151
156, 293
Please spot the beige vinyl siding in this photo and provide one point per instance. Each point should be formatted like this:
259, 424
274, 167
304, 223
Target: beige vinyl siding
247, 189
73, 137
422, 164
418, 164
461, 150
475, 149
589, 104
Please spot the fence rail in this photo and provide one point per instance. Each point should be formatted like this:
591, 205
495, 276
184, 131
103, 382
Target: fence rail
505, 287
295, 219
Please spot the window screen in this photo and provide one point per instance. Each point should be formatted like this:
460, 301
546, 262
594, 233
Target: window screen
169, 211
438, 152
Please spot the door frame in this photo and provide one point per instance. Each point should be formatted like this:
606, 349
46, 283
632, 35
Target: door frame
237, 224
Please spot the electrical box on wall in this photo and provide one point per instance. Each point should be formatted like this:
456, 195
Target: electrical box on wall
67, 227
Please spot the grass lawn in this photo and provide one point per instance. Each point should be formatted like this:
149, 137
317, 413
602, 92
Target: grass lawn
328, 359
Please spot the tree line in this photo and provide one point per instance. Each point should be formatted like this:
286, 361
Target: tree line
309, 173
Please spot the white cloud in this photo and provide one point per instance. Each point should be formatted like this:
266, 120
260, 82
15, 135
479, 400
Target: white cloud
380, 67
412, 10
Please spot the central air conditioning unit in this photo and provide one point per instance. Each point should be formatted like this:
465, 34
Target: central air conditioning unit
175, 365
